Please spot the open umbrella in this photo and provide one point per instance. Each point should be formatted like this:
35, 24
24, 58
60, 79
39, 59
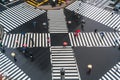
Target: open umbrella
77, 31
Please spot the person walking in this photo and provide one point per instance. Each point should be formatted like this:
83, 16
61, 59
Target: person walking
62, 72
115, 29
82, 27
3, 49
31, 56
23, 33
113, 12
34, 24
32, 42
115, 43
95, 30
80, 4
15, 59
48, 41
14, 56
89, 66
117, 69
119, 47
76, 32
83, 21
24, 50
16, 42
65, 44
5, 74
1, 44
102, 34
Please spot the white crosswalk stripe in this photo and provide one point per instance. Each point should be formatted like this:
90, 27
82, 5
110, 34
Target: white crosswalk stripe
18, 15
100, 15
14, 72
91, 39
113, 73
57, 23
30, 39
64, 58
98, 3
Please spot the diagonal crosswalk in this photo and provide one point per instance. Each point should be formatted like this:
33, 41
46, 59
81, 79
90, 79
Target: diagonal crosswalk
15, 16
112, 74
100, 15
30, 39
92, 39
14, 72
64, 58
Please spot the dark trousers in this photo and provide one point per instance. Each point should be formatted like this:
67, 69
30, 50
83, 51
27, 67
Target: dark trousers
15, 59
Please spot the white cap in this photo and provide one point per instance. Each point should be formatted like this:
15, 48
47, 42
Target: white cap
12, 54
89, 66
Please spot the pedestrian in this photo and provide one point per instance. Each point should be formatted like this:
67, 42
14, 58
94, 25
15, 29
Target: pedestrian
83, 21
82, 27
15, 59
23, 33
82, 24
95, 30
62, 72
77, 31
117, 68
16, 42
89, 69
35, 7
119, 47
48, 40
102, 34
5, 74
1, 44
25, 45
31, 39
65, 44
113, 12
115, 29
77, 10
14, 56
75, 17
115, 43
80, 4
31, 56
3, 49
34, 24
75, 34
24, 50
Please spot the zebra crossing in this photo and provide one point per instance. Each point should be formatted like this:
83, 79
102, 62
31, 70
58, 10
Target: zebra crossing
112, 74
101, 3
29, 39
100, 15
98, 3
15, 16
92, 39
64, 58
14, 72
57, 23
